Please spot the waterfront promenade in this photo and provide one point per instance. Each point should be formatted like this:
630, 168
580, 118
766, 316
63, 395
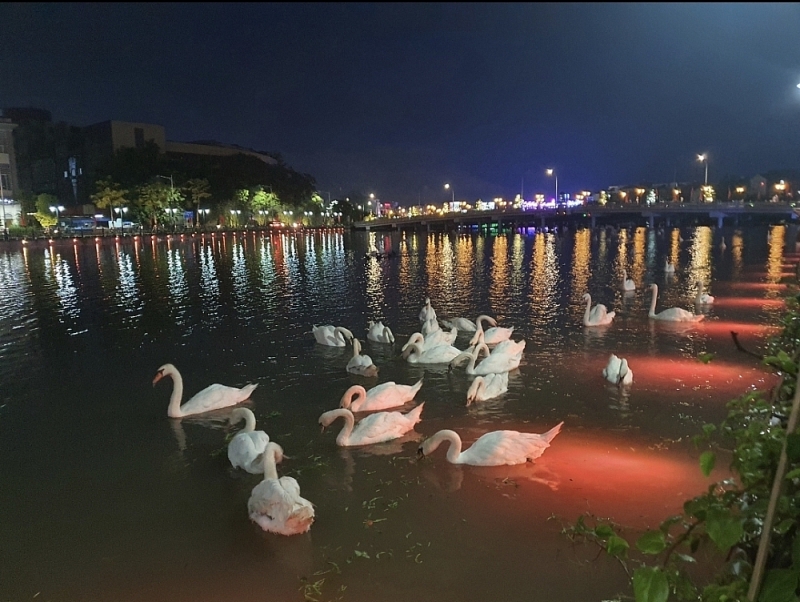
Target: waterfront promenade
719, 214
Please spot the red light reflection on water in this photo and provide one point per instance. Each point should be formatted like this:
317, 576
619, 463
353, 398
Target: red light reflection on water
767, 286
624, 479
748, 302
665, 374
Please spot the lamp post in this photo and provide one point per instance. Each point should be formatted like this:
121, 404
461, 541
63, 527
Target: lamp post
3, 203
202, 212
57, 209
450, 188
552, 172
121, 210
704, 159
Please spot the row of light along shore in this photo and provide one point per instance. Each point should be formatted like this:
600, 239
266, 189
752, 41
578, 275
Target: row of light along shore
276, 505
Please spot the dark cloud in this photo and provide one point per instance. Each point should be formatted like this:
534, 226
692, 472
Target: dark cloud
400, 98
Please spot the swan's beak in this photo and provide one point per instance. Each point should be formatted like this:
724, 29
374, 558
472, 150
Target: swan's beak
159, 375
322, 430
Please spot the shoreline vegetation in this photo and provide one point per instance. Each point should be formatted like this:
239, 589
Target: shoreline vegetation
746, 528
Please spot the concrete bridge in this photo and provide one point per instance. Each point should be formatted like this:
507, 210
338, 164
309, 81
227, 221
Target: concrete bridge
667, 214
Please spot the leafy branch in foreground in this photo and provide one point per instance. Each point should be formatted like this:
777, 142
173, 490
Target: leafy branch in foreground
725, 527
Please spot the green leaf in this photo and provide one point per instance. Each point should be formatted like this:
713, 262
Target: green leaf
793, 447
705, 357
723, 528
617, 546
779, 586
792, 474
652, 542
783, 526
603, 531
650, 585
707, 460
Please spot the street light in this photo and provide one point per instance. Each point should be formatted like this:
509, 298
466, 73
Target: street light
450, 188
203, 211
171, 184
704, 159
57, 209
121, 210
552, 172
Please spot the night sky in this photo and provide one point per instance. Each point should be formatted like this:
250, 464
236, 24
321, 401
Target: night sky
399, 99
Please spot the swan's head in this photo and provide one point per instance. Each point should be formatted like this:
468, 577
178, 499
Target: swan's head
353, 393
472, 394
586, 296
165, 370
329, 417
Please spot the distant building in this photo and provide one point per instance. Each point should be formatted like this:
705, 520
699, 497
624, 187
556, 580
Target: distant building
758, 187
9, 204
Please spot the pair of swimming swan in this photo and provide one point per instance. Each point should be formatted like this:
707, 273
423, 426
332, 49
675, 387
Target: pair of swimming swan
246, 447
275, 503
669, 268
375, 428
597, 315
333, 336
432, 339
617, 371
702, 297
213, 397
379, 397
503, 359
361, 364
494, 335
496, 448
427, 312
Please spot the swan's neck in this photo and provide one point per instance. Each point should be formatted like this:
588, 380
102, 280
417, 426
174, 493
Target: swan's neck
249, 422
653, 302
174, 410
588, 307
270, 469
343, 438
356, 348
451, 437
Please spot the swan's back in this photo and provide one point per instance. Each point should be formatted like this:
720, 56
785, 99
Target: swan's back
384, 426
276, 506
215, 397
244, 451
677, 314
507, 447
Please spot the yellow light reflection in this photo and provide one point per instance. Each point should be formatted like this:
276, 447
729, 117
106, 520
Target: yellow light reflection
581, 265
777, 236
699, 267
544, 280
499, 284
737, 248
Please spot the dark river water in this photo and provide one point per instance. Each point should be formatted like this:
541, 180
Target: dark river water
103, 497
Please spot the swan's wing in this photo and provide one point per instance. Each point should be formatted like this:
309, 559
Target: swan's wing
506, 447
383, 426
214, 397
245, 448
276, 505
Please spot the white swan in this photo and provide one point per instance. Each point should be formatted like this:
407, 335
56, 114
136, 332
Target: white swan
380, 397
494, 363
213, 397
673, 314
430, 326
361, 364
492, 449
494, 335
507, 347
487, 387
441, 354
379, 333
332, 336
247, 445
597, 315
427, 312
722, 245
375, 428
702, 298
627, 283
275, 504
669, 268
433, 339
461, 324
617, 371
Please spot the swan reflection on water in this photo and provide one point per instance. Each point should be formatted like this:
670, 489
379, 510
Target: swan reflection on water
450, 477
217, 420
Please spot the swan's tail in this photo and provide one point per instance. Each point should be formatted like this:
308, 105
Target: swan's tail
248, 390
551, 434
416, 387
415, 413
